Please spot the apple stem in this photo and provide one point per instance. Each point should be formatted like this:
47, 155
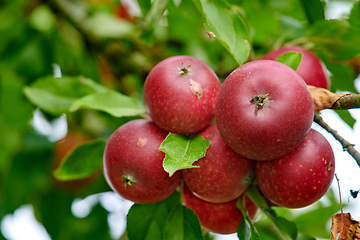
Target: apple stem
128, 180
260, 102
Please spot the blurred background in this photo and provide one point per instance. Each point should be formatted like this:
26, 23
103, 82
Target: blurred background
116, 43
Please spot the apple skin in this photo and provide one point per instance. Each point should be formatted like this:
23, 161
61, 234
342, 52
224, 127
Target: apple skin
311, 68
223, 175
180, 94
264, 110
301, 177
221, 218
133, 165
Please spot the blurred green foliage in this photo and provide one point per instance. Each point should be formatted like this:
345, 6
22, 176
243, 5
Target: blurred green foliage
86, 39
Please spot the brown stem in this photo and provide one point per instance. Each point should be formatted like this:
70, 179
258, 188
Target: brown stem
341, 206
338, 183
345, 144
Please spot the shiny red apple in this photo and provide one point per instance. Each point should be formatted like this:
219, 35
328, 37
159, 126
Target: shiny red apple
180, 94
301, 177
264, 110
222, 218
222, 175
133, 165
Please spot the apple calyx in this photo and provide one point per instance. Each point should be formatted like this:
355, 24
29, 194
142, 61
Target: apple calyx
260, 102
128, 180
184, 69
329, 167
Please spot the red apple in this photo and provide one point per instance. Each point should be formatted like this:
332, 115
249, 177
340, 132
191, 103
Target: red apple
311, 68
223, 175
222, 218
301, 177
180, 94
264, 110
133, 165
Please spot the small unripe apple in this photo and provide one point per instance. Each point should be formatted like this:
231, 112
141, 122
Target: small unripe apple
180, 94
264, 110
301, 177
222, 218
311, 68
222, 175
133, 165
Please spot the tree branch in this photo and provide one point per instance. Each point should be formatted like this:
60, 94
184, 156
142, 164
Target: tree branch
347, 101
324, 99
345, 144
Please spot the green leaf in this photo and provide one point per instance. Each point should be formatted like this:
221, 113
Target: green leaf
267, 231
28, 174
346, 117
181, 26
337, 37
104, 25
305, 237
182, 224
155, 13
147, 221
11, 97
261, 31
112, 102
42, 18
246, 229
181, 151
53, 209
82, 162
314, 222
291, 28
56, 95
291, 59
354, 17
285, 226
342, 77
144, 6
228, 27
314, 10
243, 231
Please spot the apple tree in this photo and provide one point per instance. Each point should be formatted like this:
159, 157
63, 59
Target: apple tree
201, 113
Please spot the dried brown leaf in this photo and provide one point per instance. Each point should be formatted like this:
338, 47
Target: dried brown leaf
348, 228
323, 98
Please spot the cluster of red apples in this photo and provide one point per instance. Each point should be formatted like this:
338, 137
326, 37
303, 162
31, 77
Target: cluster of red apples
263, 114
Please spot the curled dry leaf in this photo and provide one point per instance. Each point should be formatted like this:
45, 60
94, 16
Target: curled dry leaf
323, 98
348, 228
